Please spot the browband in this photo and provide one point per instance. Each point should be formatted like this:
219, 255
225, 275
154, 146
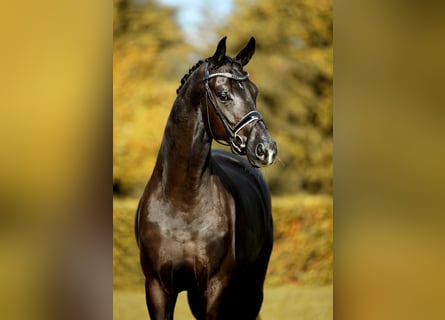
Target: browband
226, 75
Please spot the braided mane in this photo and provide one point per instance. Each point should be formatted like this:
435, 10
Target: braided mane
198, 64
192, 69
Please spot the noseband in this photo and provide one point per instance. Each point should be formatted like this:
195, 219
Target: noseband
236, 142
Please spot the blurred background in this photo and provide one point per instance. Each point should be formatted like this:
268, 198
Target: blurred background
56, 167
155, 44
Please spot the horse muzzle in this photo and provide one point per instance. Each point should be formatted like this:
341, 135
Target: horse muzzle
261, 148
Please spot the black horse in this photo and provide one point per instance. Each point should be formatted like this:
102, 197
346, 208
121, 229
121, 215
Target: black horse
204, 221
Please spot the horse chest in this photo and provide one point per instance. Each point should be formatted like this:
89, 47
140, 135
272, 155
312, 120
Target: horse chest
186, 239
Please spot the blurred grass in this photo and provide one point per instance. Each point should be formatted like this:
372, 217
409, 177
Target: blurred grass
302, 253
284, 303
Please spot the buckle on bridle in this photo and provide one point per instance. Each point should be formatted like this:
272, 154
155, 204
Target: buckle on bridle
238, 144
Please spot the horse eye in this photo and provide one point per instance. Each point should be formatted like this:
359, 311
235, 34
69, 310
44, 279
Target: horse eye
223, 96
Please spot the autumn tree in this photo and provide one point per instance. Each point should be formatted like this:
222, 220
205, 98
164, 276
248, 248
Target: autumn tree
148, 52
293, 68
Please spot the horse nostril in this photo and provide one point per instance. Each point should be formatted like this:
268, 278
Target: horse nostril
259, 151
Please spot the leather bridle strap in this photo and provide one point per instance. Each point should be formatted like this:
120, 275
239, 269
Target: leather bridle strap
250, 117
225, 75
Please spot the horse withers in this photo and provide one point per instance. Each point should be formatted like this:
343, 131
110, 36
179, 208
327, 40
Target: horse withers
204, 222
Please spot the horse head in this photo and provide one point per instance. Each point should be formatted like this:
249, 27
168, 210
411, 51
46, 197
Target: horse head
230, 106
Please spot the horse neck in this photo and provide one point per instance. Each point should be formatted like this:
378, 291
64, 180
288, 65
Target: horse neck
183, 159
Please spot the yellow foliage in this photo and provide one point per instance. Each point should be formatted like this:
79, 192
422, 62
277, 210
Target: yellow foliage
292, 68
302, 252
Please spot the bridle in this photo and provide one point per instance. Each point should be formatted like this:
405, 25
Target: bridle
236, 142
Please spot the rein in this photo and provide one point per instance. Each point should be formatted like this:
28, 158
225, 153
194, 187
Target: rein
252, 116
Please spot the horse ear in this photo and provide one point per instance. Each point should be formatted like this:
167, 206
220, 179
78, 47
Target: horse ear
220, 53
244, 55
